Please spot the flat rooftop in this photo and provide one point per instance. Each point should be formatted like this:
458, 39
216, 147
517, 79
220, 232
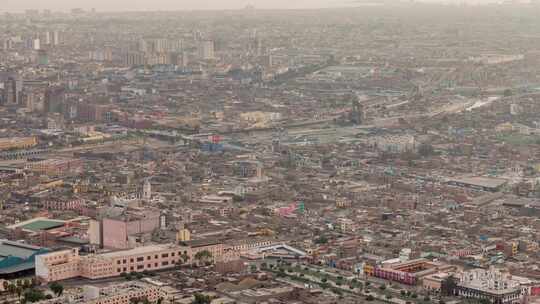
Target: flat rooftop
482, 181
38, 224
20, 250
137, 251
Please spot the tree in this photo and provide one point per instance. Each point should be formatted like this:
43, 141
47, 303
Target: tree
184, 257
508, 93
56, 288
370, 298
388, 296
200, 298
33, 295
203, 256
382, 287
321, 240
426, 299
442, 302
402, 292
253, 268
448, 286
414, 296
5, 285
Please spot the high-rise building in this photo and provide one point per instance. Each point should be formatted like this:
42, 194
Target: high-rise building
160, 45
36, 45
206, 50
134, 59
47, 38
42, 57
12, 88
142, 46
56, 38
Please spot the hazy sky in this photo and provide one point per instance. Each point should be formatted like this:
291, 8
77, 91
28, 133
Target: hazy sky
9, 5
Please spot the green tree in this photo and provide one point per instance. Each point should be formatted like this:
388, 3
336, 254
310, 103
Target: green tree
426, 299
200, 298
370, 298
321, 240
448, 286
33, 295
56, 288
203, 256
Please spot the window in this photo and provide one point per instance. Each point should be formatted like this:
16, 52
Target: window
148, 257
140, 266
131, 260
164, 263
131, 268
125, 261
118, 262
140, 259
172, 254
165, 255
156, 256
156, 264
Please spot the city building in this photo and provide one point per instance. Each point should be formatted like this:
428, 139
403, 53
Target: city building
490, 284
121, 293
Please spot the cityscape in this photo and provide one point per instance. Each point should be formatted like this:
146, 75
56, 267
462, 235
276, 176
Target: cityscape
383, 152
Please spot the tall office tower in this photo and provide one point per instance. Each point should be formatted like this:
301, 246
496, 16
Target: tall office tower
175, 45
142, 46
56, 38
260, 47
185, 59
36, 44
54, 99
47, 38
42, 57
159, 45
206, 50
12, 88
134, 59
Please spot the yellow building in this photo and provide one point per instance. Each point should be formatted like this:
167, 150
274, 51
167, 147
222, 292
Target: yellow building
17, 142
183, 235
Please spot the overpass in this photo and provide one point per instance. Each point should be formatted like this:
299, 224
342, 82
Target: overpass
10, 155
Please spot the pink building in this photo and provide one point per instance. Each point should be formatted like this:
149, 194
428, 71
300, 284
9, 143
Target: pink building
115, 233
67, 264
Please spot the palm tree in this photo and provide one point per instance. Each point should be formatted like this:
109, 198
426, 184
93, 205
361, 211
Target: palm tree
203, 256
184, 257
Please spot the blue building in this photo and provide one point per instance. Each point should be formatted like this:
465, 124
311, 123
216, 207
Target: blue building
17, 259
